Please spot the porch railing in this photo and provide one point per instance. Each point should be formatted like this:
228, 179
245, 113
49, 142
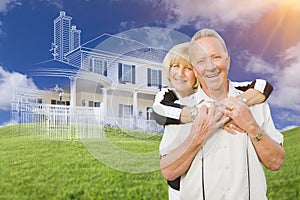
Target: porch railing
65, 122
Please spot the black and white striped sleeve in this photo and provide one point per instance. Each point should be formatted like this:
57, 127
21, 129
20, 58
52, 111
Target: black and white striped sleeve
165, 110
259, 84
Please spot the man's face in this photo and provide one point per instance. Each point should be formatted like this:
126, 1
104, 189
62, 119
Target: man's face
211, 64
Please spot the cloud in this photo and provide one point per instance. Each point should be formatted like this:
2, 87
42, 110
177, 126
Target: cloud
287, 80
288, 128
9, 82
258, 65
215, 13
290, 118
161, 38
125, 25
285, 76
59, 4
5, 5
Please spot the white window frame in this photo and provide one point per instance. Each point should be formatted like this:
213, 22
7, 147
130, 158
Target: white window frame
154, 78
98, 66
126, 111
127, 75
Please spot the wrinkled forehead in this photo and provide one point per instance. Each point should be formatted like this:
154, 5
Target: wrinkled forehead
205, 47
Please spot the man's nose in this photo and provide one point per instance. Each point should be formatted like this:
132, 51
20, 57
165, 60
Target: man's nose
210, 64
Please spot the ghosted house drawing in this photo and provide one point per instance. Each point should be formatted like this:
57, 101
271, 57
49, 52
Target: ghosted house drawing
111, 78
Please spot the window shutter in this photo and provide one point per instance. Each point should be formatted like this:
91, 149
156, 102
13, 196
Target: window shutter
159, 79
133, 74
148, 77
120, 73
105, 68
131, 110
91, 64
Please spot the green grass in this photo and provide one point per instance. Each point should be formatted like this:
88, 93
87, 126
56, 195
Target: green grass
33, 168
36, 168
284, 184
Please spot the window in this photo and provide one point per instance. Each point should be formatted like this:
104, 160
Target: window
125, 111
98, 66
31, 100
91, 104
39, 100
154, 77
53, 101
97, 104
126, 73
127, 76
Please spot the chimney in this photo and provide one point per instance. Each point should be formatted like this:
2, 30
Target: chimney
62, 13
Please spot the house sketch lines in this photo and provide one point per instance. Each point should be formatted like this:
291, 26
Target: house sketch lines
112, 81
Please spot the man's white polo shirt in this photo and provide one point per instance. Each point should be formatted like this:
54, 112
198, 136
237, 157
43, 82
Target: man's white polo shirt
226, 159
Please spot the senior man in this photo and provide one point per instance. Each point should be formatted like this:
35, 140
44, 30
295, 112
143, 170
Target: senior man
213, 162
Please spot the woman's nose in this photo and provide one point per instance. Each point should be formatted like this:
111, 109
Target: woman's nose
181, 70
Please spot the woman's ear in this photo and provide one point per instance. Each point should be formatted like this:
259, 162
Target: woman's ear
195, 86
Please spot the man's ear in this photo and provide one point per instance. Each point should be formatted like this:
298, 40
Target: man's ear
228, 61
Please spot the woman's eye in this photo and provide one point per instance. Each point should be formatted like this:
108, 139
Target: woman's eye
189, 68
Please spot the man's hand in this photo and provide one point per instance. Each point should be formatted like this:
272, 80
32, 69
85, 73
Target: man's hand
250, 97
240, 113
208, 120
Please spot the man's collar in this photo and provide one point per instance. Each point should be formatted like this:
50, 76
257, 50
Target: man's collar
200, 94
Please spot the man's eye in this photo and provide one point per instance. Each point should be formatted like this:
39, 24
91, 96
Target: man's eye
201, 62
175, 66
217, 57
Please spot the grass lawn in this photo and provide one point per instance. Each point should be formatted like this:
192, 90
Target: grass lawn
36, 168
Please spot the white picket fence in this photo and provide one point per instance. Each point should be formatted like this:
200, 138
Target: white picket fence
64, 123
58, 121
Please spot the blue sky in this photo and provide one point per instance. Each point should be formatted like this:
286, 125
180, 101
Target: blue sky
262, 37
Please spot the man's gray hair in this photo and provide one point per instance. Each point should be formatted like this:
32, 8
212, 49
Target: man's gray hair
208, 33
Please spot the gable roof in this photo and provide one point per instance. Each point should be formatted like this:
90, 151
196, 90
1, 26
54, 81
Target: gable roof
121, 46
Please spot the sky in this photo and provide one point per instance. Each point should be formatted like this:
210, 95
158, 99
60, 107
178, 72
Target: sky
263, 38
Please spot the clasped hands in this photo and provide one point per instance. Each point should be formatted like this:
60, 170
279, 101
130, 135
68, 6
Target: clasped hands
232, 114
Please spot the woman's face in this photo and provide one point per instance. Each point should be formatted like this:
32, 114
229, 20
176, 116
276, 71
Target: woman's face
182, 77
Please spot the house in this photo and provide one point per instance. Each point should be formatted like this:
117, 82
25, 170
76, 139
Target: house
114, 77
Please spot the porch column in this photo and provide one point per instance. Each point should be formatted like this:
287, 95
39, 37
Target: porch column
72, 97
135, 104
72, 91
104, 104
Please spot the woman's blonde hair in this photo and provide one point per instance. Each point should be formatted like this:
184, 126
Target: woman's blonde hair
178, 51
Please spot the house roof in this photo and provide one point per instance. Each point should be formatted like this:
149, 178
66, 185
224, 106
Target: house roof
61, 73
53, 68
121, 46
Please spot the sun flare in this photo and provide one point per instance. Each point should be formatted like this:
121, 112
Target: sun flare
291, 4
281, 25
